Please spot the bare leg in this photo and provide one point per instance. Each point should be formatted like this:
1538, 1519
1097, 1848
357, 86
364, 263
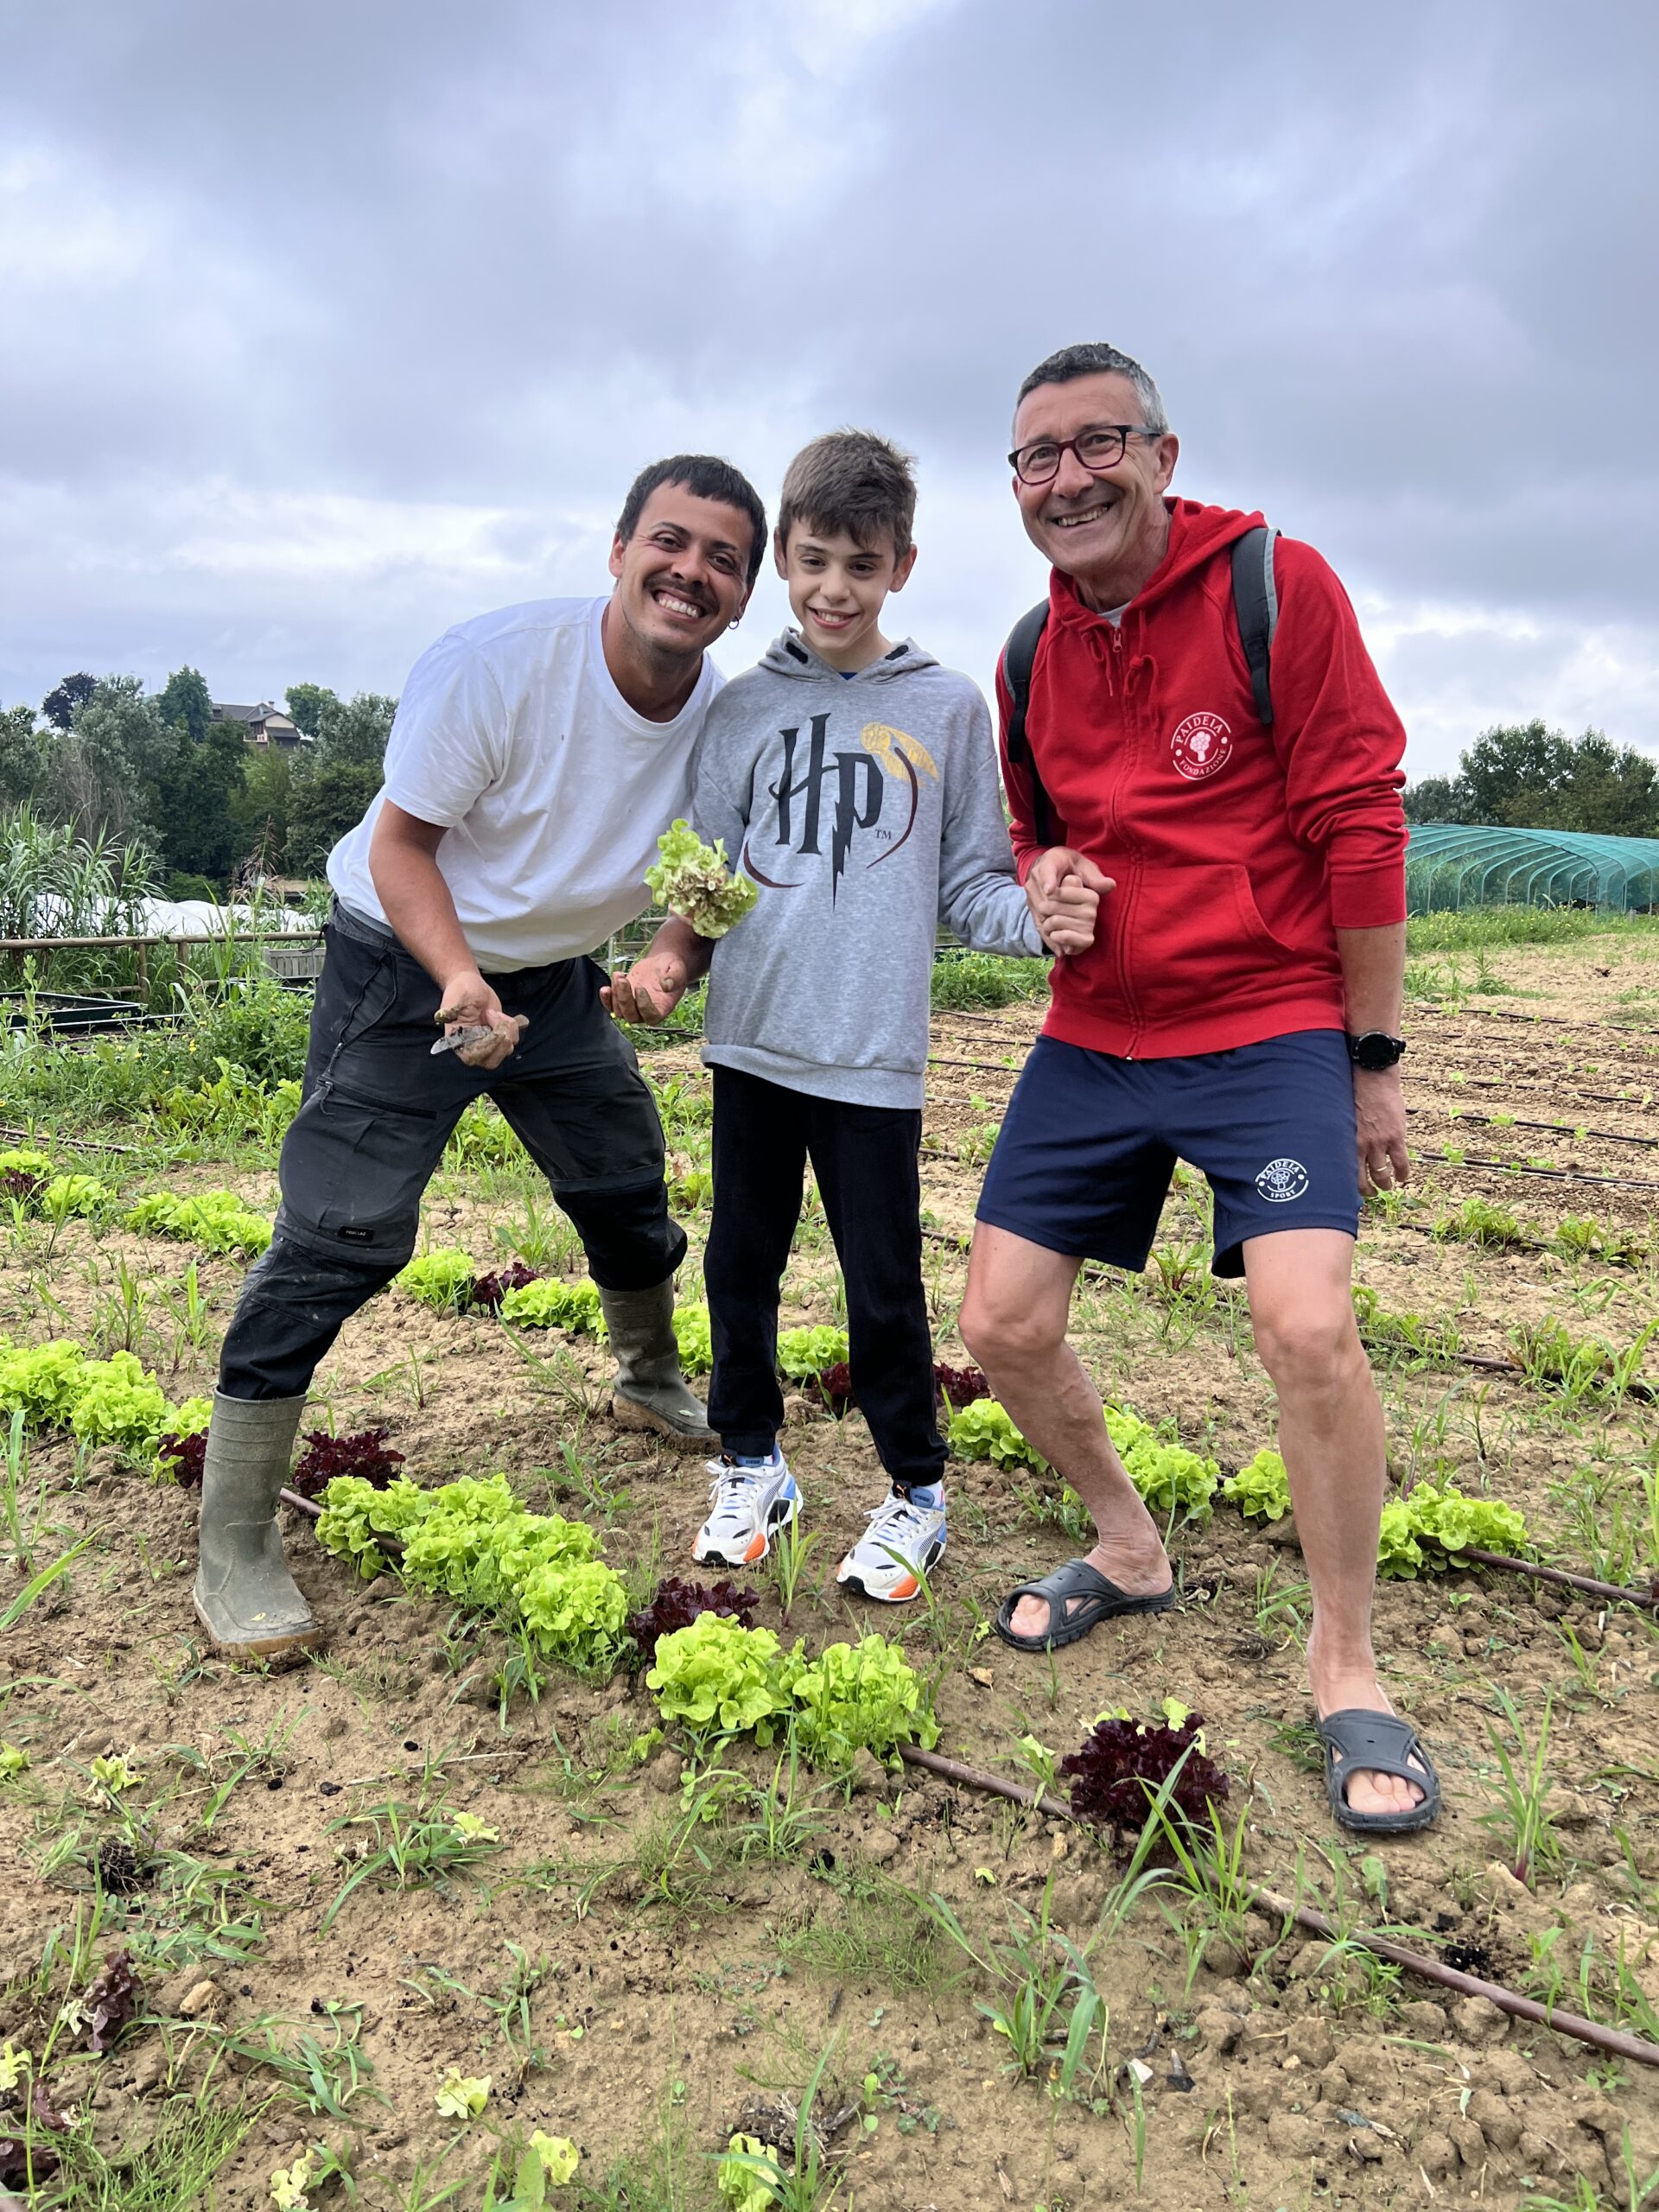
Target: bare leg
1330, 1435
1013, 1318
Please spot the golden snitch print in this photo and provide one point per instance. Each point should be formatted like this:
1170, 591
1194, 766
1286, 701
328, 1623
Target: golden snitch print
885, 744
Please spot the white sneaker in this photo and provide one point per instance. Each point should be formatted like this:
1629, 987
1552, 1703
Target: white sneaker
903, 1542
750, 1499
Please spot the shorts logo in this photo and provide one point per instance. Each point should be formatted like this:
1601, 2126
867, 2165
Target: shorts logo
1201, 744
1281, 1180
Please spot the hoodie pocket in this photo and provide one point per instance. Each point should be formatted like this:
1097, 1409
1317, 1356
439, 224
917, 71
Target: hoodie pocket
1196, 937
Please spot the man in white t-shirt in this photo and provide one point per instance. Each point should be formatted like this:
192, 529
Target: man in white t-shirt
537, 755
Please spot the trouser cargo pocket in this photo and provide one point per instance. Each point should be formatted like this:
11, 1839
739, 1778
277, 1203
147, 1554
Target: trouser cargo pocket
353, 1172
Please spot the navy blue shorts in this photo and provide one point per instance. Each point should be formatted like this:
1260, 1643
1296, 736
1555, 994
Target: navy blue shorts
1089, 1144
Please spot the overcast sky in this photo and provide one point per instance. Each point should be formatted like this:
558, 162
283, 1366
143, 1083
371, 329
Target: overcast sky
324, 326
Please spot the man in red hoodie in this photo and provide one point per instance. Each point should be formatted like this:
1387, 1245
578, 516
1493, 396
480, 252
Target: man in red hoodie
1240, 1009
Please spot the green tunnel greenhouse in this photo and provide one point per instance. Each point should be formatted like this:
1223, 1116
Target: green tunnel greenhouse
1469, 864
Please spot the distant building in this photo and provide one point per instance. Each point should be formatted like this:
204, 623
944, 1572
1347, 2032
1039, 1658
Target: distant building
264, 724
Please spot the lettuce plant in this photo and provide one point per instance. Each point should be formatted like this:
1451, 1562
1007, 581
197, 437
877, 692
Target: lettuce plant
489, 1290
117, 1402
1429, 1528
473, 1543
73, 1198
803, 1353
216, 1220
1122, 1765
691, 1334
959, 1386
42, 1382
719, 1679
695, 881
1261, 1490
858, 1696
365, 1453
356, 1515
552, 1304
985, 1430
442, 1279
1169, 1477
677, 1603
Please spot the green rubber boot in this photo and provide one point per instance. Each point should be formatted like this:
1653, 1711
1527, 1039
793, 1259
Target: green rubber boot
246, 1597
649, 1391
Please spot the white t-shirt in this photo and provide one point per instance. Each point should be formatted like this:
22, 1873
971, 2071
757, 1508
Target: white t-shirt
512, 734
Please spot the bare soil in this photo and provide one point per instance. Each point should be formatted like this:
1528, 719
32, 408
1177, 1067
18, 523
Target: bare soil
675, 2005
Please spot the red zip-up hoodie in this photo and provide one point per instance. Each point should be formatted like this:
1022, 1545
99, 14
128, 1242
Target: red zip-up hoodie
1239, 851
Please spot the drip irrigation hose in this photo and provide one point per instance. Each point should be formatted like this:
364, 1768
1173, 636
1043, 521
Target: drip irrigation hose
1620, 1593
1552, 1174
1613, 2040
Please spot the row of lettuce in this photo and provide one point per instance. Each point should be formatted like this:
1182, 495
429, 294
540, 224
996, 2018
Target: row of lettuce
117, 1403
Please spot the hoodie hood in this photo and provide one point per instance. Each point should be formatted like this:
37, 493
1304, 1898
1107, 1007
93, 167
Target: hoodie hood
788, 654
1197, 534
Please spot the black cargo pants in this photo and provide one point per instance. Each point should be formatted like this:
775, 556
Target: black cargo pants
376, 1113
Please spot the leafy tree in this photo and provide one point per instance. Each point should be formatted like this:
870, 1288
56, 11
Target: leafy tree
103, 774
262, 807
356, 729
186, 703
1436, 798
333, 787
197, 795
22, 756
1527, 776
307, 702
58, 707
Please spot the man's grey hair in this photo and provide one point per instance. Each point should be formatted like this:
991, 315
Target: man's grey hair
1099, 360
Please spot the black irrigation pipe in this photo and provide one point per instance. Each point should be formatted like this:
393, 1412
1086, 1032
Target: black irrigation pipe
1552, 1174
1549, 1021
83, 1144
1643, 1105
1579, 1131
1619, 1592
1613, 2040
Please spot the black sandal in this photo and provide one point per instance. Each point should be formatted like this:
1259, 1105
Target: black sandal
1101, 1600
1358, 1741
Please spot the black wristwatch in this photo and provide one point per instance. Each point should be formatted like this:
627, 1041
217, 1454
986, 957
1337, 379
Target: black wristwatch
1376, 1051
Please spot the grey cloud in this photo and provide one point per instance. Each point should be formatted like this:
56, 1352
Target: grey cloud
1393, 271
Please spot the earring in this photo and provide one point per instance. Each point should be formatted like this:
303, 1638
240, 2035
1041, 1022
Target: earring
734, 623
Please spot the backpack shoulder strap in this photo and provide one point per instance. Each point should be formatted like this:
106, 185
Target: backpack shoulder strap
1018, 658
1256, 603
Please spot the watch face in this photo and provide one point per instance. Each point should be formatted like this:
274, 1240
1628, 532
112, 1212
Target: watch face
1375, 1052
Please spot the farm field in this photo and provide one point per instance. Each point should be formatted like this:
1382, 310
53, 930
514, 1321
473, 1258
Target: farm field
428, 1857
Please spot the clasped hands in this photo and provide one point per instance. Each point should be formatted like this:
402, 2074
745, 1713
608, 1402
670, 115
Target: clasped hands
1064, 890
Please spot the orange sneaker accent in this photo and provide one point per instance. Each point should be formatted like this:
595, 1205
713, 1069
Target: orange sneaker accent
757, 1549
907, 1588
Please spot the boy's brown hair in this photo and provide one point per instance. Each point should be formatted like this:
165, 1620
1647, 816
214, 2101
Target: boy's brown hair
854, 481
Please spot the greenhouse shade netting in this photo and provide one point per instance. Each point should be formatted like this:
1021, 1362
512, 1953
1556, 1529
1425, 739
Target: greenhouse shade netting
1474, 864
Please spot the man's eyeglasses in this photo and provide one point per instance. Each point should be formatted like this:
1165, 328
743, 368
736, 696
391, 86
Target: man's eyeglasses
1099, 448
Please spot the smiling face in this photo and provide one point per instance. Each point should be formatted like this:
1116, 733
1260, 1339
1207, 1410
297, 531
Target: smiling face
1108, 530
680, 577
836, 590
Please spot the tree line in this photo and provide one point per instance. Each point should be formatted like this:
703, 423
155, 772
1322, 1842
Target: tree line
153, 769
1528, 777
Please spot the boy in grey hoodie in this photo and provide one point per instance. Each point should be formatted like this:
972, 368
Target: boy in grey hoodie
855, 781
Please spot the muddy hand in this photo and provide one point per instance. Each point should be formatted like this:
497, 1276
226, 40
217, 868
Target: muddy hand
469, 1003
646, 992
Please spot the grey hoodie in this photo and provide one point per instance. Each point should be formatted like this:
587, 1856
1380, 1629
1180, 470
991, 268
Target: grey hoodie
868, 811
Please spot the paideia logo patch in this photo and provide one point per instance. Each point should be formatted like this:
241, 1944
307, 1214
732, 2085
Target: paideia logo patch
1201, 744
1281, 1180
